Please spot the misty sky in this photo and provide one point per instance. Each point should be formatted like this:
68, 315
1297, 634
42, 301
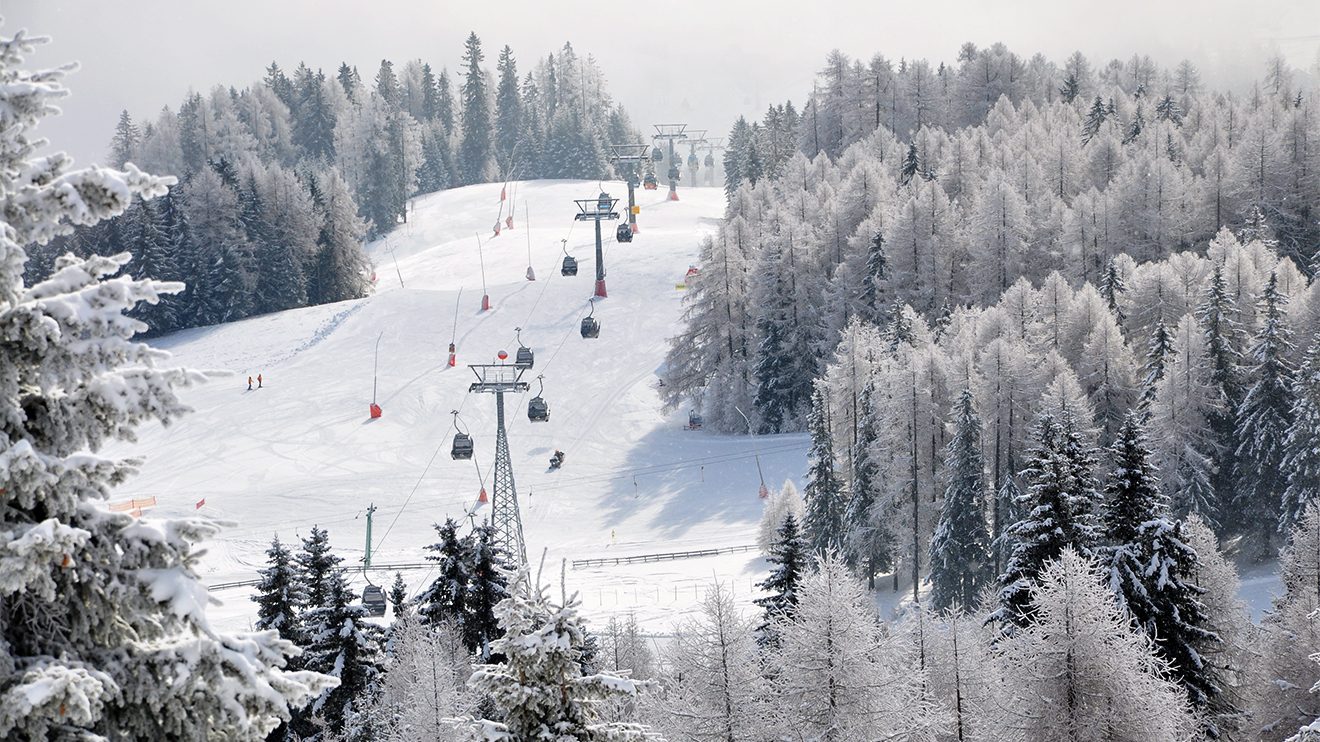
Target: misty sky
699, 62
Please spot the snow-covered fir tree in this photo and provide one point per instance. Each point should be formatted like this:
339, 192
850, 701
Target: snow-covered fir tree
399, 595
104, 625
341, 643
1263, 419
446, 598
826, 504
1151, 568
540, 690
790, 557
475, 161
1058, 512
1182, 437
488, 586
317, 565
279, 594
960, 563
1301, 458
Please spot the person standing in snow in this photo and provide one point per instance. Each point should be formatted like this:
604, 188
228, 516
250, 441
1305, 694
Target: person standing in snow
249, 383
258, 381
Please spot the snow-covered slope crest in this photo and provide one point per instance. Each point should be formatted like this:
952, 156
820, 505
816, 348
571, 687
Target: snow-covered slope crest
302, 449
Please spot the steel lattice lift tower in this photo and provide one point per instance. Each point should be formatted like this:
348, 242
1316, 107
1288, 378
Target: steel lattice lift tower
670, 133
498, 378
630, 155
597, 210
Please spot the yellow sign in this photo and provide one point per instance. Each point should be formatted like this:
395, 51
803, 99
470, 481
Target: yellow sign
636, 209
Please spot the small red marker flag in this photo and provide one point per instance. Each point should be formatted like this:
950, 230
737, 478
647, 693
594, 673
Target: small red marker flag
199, 504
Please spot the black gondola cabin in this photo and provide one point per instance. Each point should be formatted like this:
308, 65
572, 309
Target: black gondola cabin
462, 449
590, 327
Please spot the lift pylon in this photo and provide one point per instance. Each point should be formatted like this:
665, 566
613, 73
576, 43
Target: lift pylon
498, 378
629, 158
597, 210
671, 133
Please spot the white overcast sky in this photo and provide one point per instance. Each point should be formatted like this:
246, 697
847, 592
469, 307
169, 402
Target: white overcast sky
682, 60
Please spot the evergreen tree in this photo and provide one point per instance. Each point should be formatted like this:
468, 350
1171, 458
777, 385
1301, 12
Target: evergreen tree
343, 644
445, 102
155, 257
474, 148
487, 588
1095, 118
399, 595
1134, 127
875, 281
541, 689
1218, 317
103, 627
869, 547
387, 83
1263, 419
1151, 568
446, 599
279, 593
280, 84
911, 165
1112, 288
508, 113
1301, 458
126, 141
824, 527
316, 567
1158, 350
339, 269
789, 556
735, 157
960, 564
314, 117
1057, 513
350, 81
1070, 88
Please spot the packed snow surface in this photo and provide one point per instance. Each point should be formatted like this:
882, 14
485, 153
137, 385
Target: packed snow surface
302, 450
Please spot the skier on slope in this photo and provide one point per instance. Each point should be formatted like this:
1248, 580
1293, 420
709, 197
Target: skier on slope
557, 460
249, 383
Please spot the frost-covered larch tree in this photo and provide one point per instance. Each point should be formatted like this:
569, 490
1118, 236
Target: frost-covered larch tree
422, 686
778, 506
960, 562
1081, 671
103, 627
540, 691
712, 688
1291, 634
1182, 436
835, 675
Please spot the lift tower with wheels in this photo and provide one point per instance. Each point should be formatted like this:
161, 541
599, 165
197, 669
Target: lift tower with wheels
671, 133
498, 378
628, 159
597, 210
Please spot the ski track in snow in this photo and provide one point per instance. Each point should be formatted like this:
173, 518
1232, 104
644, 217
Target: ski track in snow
303, 450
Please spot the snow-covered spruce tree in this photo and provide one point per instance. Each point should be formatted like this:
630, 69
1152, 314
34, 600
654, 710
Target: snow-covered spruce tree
1234, 658
1151, 568
1158, 350
1218, 316
834, 673
869, 547
487, 588
279, 594
712, 688
1291, 633
823, 524
1301, 457
777, 508
791, 559
960, 562
103, 630
1058, 512
1263, 420
475, 161
316, 569
447, 597
399, 595
1081, 671
540, 691
342, 644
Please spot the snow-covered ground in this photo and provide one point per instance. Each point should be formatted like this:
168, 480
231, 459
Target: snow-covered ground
303, 451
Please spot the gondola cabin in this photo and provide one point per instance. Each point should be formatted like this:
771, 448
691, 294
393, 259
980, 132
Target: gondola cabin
462, 449
604, 202
657, 154
373, 599
525, 358
623, 233
537, 410
590, 327
650, 182
569, 268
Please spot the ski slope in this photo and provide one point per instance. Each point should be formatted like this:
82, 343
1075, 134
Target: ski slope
302, 450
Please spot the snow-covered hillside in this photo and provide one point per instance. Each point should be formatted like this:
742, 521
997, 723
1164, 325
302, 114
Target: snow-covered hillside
302, 450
